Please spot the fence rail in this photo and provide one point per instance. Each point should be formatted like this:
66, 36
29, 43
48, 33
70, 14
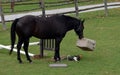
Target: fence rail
7, 5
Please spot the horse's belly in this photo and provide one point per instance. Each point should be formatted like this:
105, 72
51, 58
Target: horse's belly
47, 36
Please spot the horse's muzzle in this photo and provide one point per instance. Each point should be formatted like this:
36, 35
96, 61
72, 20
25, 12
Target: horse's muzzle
80, 37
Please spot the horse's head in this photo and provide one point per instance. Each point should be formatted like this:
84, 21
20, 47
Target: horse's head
79, 29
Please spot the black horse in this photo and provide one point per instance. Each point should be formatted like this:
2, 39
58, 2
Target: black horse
54, 27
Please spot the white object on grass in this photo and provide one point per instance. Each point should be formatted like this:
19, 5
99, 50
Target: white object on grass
15, 50
58, 65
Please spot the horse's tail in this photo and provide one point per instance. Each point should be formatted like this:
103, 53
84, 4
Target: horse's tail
13, 34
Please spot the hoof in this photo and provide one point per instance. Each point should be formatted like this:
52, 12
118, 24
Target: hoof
20, 62
57, 60
30, 62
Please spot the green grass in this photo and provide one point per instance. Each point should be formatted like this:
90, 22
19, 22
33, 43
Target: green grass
103, 61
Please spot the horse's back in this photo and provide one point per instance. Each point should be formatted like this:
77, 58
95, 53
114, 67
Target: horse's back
27, 19
50, 27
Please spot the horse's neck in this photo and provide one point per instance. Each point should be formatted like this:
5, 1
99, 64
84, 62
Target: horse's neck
70, 25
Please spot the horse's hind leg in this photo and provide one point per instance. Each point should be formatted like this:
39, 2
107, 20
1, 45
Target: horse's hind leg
26, 44
20, 41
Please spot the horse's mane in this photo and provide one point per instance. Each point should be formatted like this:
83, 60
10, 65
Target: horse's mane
69, 17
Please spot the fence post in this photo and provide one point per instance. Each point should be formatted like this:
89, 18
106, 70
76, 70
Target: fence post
76, 8
42, 5
106, 9
2, 17
41, 48
12, 5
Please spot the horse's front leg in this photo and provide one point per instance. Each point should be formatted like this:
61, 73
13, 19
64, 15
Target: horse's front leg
57, 49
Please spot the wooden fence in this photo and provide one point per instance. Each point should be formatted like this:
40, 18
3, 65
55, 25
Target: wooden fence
10, 6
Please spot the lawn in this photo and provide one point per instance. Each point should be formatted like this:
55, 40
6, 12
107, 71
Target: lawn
103, 61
